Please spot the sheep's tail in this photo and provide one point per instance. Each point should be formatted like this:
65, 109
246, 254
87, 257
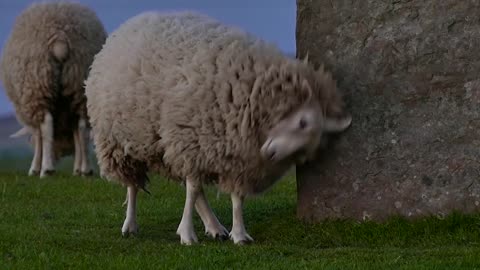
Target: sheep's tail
59, 48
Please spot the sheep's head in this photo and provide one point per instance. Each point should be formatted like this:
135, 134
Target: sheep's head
298, 135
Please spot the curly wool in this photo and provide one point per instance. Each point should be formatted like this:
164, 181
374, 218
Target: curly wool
185, 96
36, 80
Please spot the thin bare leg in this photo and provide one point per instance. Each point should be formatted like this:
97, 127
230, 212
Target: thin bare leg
46, 129
213, 227
185, 228
238, 233
36, 165
78, 152
130, 224
84, 143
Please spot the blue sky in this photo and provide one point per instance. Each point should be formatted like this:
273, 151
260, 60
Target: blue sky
272, 20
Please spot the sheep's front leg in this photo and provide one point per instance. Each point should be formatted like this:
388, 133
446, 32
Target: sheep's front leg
185, 228
78, 154
238, 233
84, 139
46, 130
212, 226
130, 224
36, 165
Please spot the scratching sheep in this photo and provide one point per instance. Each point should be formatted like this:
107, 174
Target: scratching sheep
45, 62
183, 95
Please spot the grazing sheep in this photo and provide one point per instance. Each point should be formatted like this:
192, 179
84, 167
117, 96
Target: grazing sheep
44, 64
185, 96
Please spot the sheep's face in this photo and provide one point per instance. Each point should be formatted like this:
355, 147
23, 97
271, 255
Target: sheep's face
298, 135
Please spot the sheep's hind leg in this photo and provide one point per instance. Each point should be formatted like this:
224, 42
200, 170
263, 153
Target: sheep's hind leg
78, 154
185, 228
130, 224
238, 234
83, 133
36, 165
46, 129
213, 227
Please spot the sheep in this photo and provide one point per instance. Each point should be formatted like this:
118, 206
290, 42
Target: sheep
43, 67
200, 102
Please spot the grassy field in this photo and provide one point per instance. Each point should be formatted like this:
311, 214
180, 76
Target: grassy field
69, 222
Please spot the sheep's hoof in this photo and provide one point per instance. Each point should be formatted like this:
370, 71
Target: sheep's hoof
241, 238
188, 241
127, 234
219, 234
46, 173
187, 237
129, 230
222, 236
87, 173
244, 242
76, 172
33, 173
129, 227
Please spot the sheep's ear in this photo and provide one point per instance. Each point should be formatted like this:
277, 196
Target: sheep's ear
21, 132
337, 124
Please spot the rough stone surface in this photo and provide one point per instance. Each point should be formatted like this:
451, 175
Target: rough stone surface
410, 71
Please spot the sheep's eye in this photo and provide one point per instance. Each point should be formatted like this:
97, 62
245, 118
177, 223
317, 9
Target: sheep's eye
302, 124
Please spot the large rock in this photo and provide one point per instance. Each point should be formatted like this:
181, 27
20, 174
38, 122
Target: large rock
410, 71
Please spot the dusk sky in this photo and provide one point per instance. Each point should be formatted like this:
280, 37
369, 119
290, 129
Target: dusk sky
271, 20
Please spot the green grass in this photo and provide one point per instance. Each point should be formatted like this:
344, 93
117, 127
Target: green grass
69, 222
